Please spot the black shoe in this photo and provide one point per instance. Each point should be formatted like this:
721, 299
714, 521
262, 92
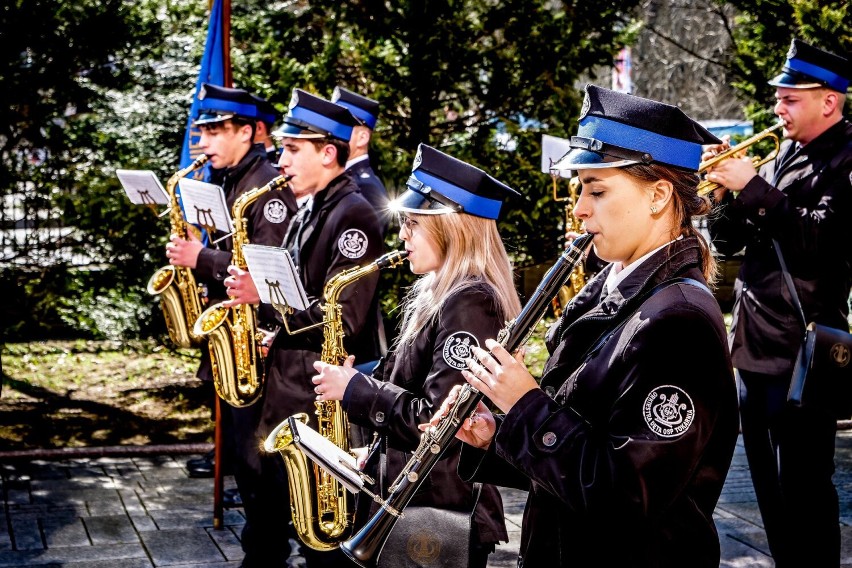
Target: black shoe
201, 467
231, 498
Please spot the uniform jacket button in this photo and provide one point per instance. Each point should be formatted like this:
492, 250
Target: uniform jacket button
549, 439
380, 416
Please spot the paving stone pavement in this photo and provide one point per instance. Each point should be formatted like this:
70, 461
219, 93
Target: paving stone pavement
145, 511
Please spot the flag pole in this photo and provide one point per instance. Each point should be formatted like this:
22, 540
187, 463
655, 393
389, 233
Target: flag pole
218, 470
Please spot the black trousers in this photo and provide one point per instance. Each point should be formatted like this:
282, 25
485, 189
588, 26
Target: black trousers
790, 454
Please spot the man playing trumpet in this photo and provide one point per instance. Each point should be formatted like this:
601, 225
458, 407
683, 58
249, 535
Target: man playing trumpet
799, 205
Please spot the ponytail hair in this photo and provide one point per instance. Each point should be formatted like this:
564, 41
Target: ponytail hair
688, 205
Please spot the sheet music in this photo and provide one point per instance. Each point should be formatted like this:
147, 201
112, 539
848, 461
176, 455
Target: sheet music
339, 464
204, 204
552, 149
275, 276
142, 187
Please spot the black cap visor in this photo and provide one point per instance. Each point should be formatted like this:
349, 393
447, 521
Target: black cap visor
414, 200
589, 153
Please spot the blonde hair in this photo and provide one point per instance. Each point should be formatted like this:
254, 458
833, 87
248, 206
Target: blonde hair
472, 254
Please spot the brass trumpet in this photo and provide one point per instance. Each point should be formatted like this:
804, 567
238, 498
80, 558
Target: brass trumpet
705, 186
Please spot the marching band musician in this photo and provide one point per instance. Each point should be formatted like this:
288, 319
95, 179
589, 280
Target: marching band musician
625, 443
336, 229
227, 122
447, 221
802, 201
366, 112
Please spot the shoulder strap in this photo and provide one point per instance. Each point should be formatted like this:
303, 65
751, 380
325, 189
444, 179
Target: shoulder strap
621, 322
791, 286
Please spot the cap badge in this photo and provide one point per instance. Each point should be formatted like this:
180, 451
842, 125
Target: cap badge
418, 159
791, 53
202, 92
587, 105
294, 101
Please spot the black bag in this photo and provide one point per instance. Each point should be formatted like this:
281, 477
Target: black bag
822, 375
428, 537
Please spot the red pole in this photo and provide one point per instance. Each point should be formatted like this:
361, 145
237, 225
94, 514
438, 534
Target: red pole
218, 481
226, 32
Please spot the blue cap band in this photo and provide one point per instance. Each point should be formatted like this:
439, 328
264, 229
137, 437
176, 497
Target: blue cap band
833, 80
663, 149
470, 202
321, 122
248, 111
368, 119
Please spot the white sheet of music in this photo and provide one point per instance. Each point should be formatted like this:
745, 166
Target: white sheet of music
339, 464
204, 204
274, 275
142, 187
552, 149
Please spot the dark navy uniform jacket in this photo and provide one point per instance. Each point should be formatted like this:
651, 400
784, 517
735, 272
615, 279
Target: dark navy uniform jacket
624, 451
414, 381
803, 199
268, 219
372, 189
341, 232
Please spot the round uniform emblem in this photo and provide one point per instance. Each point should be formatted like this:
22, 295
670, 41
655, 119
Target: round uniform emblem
457, 349
275, 211
352, 243
839, 354
423, 547
668, 411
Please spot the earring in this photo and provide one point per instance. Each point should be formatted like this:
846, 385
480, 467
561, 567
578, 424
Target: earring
654, 208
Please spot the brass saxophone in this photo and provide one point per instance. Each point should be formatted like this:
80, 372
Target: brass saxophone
321, 507
232, 336
180, 295
572, 224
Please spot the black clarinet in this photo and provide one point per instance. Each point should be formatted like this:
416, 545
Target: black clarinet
364, 547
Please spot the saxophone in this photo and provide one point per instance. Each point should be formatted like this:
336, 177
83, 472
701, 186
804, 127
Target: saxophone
232, 336
572, 224
180, 296
321, 507
364, 547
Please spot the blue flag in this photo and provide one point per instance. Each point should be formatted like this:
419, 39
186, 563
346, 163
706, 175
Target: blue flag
213, 72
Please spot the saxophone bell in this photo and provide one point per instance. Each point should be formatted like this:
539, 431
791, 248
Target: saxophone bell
321, 507
181, 298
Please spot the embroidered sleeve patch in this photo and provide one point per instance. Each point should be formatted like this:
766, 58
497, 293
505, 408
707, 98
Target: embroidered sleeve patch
457, 349
668, 411
275, 211
352, 243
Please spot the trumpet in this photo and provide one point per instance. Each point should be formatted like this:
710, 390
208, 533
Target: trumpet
705, 186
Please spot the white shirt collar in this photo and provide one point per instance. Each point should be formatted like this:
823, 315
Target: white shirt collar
354, 161
617, 274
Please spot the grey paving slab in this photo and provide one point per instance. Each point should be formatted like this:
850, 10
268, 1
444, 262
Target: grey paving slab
118, 554
26, 533
175, 547
65, 532
111, 529
228, 543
